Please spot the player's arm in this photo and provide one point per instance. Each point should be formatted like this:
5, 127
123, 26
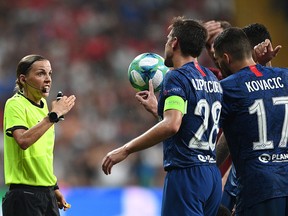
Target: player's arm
161, 131
173, 112
225, 177
222, 150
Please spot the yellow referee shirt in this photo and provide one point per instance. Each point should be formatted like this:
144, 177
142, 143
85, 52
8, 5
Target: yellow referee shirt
33, 166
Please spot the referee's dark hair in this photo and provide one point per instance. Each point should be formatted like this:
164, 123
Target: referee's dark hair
24, 67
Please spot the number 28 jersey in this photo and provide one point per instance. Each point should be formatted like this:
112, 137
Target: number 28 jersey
254, 118
194, 143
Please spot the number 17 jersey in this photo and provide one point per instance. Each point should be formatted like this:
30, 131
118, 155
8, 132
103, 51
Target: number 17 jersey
255, 123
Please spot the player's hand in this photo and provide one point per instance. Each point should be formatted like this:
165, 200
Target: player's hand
264, 52
148, 99
113, 158
62, 204
64, 105
213, 29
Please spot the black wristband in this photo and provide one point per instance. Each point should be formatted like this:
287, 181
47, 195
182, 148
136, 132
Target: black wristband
56, 187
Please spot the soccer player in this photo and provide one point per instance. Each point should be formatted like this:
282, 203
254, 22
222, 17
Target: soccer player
256, 34
229, 182
254, 121
29, 142
189, 108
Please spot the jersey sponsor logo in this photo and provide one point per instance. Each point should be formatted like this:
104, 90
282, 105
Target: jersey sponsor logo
265, 84
165, 92
265, 158
208, 86
206, 158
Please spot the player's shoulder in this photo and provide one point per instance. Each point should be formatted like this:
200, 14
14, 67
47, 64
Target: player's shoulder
276, 69
274, 73
213, 73
217, 72
229, 79
271, 68
171, 74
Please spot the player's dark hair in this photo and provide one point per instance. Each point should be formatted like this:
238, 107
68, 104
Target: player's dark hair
24, 66
256, 33
234, 42
190, 34
224, 24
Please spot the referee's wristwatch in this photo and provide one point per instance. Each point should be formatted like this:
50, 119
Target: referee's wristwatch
53, 117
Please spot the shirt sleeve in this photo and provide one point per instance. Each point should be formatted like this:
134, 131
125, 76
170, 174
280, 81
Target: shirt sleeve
15, 117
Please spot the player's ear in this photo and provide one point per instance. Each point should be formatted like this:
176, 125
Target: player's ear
227, 58
174, 42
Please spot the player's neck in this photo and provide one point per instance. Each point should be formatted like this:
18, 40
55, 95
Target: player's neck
181, 60
237, 66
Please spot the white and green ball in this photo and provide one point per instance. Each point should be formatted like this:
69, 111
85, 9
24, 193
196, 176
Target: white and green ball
144, 67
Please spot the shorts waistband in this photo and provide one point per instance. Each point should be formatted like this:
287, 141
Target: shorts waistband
31, 187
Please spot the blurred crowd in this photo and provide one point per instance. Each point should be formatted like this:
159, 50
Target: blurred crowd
90, 44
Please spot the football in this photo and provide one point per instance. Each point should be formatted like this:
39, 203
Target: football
144, 67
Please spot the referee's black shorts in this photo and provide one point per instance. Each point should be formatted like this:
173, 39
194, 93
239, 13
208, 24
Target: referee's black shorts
26, 200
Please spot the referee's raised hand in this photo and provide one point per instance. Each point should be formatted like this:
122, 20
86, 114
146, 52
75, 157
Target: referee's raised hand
64, 105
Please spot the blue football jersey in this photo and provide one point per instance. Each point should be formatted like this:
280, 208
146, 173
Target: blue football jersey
194, 143
254, 118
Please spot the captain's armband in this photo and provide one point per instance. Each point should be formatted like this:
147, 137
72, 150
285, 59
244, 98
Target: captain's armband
176, 103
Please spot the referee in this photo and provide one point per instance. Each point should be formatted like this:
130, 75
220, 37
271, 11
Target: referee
29, 142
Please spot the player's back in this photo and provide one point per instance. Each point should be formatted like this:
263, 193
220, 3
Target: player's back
255, 109
194, 144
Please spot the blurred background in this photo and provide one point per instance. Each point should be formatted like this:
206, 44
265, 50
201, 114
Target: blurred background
90, 44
